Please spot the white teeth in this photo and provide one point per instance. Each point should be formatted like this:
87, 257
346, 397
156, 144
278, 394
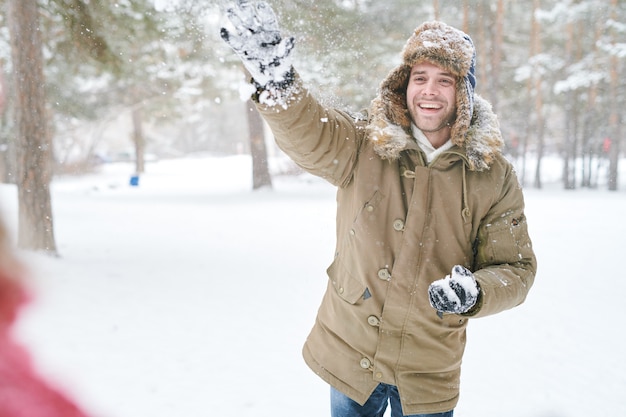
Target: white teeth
429, 106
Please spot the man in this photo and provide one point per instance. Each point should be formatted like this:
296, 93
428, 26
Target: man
431, 228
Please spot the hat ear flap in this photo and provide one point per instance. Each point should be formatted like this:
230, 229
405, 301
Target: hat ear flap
464, 110
393, 96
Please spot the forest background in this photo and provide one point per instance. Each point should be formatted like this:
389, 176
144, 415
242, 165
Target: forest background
84, 82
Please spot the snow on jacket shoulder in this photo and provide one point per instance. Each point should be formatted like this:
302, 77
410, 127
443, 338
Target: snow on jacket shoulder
402, 224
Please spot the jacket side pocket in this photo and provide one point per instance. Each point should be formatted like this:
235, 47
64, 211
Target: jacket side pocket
347, 287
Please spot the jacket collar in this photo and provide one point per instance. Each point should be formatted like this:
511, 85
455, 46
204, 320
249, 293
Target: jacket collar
481, 142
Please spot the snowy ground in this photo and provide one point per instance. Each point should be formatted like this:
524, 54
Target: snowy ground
191, 295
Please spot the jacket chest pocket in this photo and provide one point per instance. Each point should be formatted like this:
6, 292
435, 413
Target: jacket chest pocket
346, 286
367, 209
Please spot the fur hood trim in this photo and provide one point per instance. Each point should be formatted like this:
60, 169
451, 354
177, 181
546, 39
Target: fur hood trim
482, 140
475, 128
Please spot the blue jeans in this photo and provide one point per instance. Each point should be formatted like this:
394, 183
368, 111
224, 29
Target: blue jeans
375, 406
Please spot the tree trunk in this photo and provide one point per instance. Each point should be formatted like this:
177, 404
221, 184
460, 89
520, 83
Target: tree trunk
591, 149
466, 11
569, 143
540, 132
34, 150
614, 130
260, 169
2, 90
3, 145
139, 141
535, 48
481, 41
436, 11
570, 122
496, 56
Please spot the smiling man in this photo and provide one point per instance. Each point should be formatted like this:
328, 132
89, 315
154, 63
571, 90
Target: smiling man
430, 98
431, 230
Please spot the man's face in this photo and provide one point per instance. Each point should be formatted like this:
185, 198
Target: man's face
431, 100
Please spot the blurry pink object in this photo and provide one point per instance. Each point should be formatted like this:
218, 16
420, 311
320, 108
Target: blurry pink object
23, 393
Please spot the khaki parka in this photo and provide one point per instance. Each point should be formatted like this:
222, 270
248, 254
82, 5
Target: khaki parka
402, 224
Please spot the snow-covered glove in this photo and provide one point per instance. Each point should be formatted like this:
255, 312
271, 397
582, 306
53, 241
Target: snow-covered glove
457, 293
258, 42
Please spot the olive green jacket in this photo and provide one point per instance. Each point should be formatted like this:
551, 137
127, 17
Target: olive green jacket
402, 224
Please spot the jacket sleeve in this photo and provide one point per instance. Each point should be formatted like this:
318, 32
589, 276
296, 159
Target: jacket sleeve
505, 263
322, 141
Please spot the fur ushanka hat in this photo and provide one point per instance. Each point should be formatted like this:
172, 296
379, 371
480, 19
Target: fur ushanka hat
451, 49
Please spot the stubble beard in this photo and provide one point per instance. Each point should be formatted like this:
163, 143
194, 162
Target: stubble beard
446, 122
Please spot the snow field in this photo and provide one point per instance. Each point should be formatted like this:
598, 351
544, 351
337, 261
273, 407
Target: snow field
191, 295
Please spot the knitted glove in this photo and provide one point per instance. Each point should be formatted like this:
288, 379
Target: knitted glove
258, 42
457, 293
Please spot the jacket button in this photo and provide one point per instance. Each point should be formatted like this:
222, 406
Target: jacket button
398, 225
369, 208
365, 363
384, 274
352, 232
373, 321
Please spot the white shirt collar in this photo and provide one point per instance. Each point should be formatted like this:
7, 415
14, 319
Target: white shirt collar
426, 146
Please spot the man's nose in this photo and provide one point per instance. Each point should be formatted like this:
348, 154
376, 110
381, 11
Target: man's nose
430, 88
